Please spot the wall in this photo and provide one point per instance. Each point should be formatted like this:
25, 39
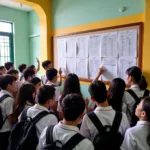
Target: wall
74, 16
21, 28
34, 37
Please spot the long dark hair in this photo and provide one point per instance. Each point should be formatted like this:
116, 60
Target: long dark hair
71, 85
146, 108
136, 73
115, 93
25, 94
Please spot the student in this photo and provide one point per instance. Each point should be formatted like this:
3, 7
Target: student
115, 94
47, 64
7, 85
9, 66
46, 97
138, 85
22, 68
36, 82
32, 67
52, 80
3, 70
28, 75
138, 137
15, 73
103, 112
25, 98
73, 106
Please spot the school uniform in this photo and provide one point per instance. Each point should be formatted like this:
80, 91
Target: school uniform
7, 106
63, 133
18, 85
129, 101
136, 137
57, 90
106, 116
44, 79
45, 121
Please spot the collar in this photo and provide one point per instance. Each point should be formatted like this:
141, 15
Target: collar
67, 127
28, 103
134, 86
51, 83
143, 123
6, 92
108, 108
38, 106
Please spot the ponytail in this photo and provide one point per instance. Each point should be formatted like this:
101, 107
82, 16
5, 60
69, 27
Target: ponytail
143, 83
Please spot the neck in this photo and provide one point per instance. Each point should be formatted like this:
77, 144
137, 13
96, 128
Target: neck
70, 123
133, 83
104, 104
45, 105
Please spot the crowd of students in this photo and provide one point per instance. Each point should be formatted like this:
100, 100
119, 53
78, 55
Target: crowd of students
34, 114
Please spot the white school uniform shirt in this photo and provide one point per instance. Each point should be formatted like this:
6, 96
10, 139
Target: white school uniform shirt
44, 79
63, 133
129, 101
7, 106
106, 116
57, 90
136, 137
44, 122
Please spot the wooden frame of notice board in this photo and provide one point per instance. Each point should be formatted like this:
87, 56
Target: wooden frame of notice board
138, 26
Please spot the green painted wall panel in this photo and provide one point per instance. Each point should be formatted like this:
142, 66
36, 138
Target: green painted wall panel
21, 33
67, 13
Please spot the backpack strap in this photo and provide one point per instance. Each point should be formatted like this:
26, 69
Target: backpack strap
4, 97
49, 135
116, 122
146, 93
24, 114
21, 77
132, 93
75, 140
96, 122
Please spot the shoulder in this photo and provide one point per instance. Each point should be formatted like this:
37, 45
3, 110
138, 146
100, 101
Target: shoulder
86, 144
51, 118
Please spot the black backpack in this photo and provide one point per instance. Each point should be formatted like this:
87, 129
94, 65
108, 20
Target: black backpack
23, 135
134, 118
108, 137
2, 120
57, 145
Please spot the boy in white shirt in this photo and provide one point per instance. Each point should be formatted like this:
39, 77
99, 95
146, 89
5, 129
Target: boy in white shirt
8, 86
9, 66
104, 112
73, 106
22, 68
46, 96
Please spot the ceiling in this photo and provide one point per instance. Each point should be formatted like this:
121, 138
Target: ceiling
12, 4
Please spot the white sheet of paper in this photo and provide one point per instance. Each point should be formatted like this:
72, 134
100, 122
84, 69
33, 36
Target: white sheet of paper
82, 47
71, 47
62, 65
71, 65
61, 46
94, 65
127, 43
110, 65
109, 46
94, 46
82, 67
124, 64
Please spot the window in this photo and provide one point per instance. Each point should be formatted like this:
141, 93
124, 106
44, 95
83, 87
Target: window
6, 42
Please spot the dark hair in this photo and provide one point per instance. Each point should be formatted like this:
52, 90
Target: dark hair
31, 67
45, 93
136, 73
1, 68
12, 72
22, 67
46, 63
51, 73
71, 85
115, 93
35, 80
6, 80
146, 108
28, 73
25, 94
98, 91
8, 65
73, 105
